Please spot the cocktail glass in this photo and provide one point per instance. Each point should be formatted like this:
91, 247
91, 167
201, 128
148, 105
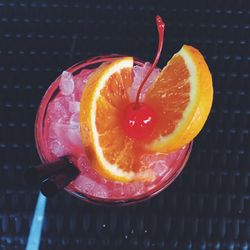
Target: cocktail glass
90, 186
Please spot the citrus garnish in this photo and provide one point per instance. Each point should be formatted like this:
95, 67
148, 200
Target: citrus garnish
103, 100
182, 97
117, 134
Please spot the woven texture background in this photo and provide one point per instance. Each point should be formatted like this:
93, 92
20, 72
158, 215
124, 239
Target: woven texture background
208, 206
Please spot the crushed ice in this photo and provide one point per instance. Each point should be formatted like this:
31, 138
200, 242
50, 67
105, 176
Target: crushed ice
66, 84
64, 133
64, 112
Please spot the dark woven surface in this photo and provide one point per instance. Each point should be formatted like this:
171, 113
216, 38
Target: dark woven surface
208, 206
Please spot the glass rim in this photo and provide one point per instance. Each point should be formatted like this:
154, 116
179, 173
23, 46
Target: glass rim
39, 121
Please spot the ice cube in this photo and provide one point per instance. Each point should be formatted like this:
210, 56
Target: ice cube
99, 191
83, 164
116, 189
66, 84
74, 107
69, 135
160, 167
58, 148
59, 108
139, 74
138, 187
84, 184
74, 130
75, 137
133, 189
60, 130
80, 81
90, 186
75, 119
159, 163
51, 131
129, 189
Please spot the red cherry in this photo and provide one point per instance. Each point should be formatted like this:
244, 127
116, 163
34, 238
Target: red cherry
138, 121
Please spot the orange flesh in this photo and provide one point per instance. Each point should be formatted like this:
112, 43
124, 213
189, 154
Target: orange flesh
117, 147
169, 96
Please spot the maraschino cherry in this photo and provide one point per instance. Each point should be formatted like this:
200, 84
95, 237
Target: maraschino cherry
139, 119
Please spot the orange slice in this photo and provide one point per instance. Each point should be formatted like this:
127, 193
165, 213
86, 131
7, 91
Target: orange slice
104, 97
182, 97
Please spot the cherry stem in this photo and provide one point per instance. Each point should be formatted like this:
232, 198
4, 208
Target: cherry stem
160, 27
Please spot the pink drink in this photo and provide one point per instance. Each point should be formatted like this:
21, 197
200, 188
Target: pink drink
57, 134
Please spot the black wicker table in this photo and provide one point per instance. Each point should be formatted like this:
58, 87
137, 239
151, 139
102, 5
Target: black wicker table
208, 206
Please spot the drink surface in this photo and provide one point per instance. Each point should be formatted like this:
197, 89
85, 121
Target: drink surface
61, 132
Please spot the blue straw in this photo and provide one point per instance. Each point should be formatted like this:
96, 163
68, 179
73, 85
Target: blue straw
37, 224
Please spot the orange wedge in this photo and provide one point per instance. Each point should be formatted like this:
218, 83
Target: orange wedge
182, 97
104, 96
